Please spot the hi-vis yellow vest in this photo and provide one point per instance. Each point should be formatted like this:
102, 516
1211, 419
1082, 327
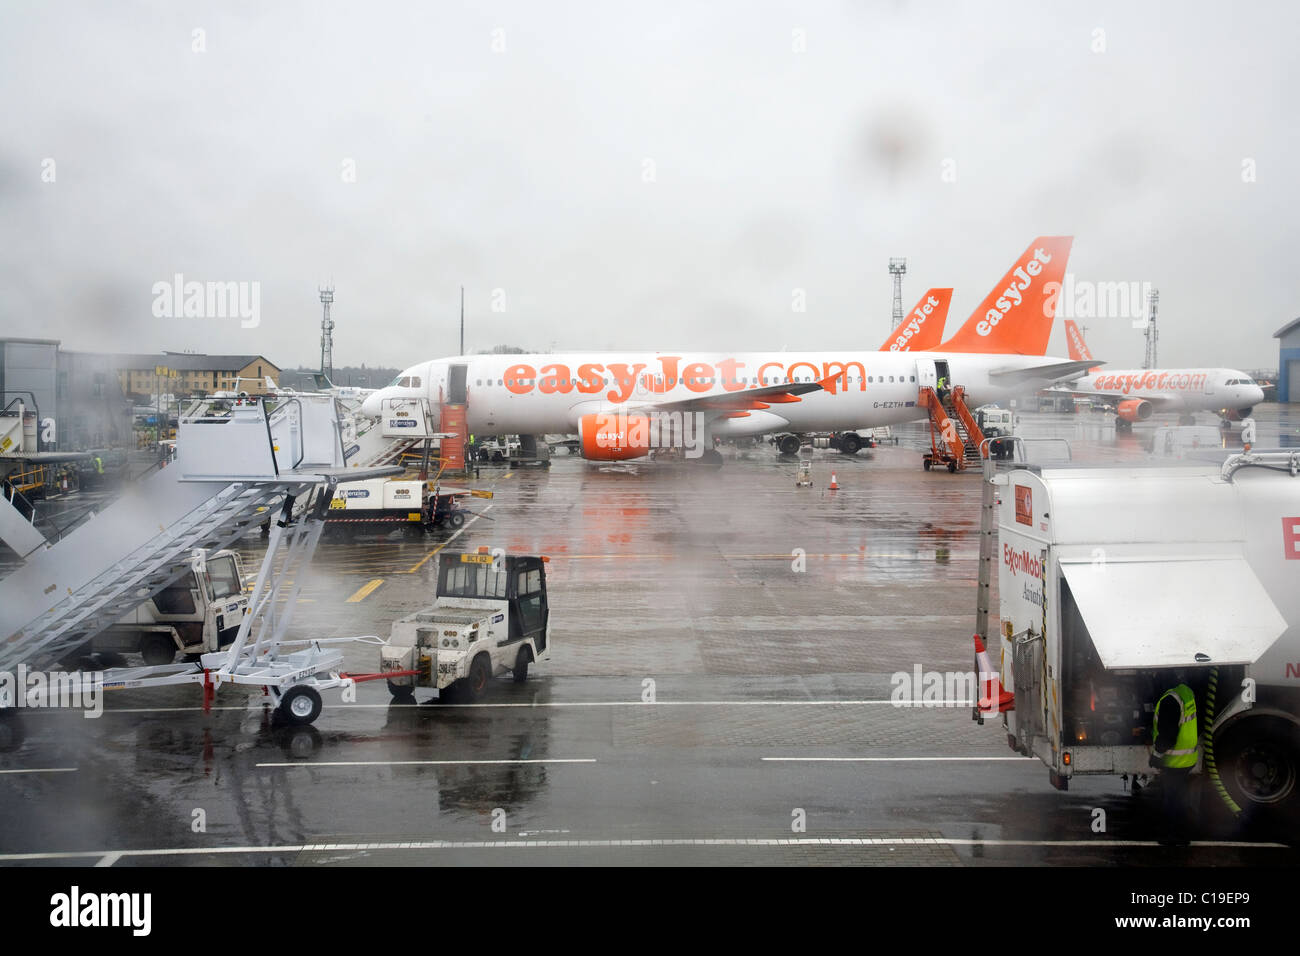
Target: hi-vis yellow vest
1187, 746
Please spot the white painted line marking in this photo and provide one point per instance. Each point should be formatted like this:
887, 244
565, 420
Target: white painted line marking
108, 859
607, 844
902, 705
419, 763
885, 759
44, 770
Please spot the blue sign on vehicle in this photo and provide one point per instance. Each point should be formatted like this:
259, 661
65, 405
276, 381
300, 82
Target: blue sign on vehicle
401, 423
498, 619
357, 493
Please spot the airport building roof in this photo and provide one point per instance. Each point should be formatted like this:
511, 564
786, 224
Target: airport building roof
1286, 328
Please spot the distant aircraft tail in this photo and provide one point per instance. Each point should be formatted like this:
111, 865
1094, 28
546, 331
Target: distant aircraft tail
1078, 347
922, 328
1016, 318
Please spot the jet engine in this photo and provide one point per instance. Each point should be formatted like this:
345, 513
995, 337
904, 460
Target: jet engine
614, 436
1134, 410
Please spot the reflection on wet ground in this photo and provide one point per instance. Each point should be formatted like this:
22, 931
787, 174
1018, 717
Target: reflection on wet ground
723, 645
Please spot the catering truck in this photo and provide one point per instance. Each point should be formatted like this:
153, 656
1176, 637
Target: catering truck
1117, 584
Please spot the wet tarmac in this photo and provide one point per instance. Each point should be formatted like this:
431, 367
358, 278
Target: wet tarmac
719, 692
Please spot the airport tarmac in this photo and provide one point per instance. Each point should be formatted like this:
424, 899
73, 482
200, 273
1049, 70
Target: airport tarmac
719, 693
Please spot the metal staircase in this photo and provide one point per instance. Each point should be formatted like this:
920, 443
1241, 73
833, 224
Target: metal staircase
955, 439
232, 468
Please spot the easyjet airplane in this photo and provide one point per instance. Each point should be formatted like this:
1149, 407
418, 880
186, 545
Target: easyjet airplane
619, 402
1137, 393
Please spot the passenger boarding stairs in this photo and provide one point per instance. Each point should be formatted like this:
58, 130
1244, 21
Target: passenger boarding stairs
955, 438
403, 428
231, 467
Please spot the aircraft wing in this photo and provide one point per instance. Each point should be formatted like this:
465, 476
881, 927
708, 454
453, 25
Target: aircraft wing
1055, 372
741, 400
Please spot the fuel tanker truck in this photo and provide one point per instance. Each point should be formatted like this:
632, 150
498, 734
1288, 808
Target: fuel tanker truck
1116, 585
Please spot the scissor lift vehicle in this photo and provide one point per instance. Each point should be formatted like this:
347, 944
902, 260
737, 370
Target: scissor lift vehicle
234, 464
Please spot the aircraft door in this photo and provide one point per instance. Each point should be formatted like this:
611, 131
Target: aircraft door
456, 392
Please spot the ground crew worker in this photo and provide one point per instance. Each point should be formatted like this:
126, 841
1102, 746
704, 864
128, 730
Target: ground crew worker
1247, 433
99, 465
943, 388
1176, 750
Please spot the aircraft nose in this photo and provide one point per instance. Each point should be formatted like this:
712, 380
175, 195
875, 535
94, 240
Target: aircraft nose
372, 404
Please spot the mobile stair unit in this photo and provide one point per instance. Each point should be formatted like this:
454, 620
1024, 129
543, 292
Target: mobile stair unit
955, 439
234, 465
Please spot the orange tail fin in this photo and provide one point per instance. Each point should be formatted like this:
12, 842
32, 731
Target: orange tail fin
922, 328
1016, 317
1074, 339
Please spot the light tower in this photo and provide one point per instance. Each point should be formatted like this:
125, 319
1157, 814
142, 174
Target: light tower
327, 333
897, 269
1153, 301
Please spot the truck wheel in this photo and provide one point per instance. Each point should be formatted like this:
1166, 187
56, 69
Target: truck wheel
480, 672
850, 443
300, 704
456, 519
521, 665
788, 445
1259, 764
952, 467
157, 649
401, 690
925, 463
497, 456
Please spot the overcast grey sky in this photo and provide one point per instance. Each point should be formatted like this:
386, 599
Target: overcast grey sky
792, 146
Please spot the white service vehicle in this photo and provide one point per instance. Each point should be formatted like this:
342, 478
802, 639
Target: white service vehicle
1117, 584
198, 613
995, 422
380, 502
490, 617
497, 449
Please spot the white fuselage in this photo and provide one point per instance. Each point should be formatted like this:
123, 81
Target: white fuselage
1177, 389
537, 394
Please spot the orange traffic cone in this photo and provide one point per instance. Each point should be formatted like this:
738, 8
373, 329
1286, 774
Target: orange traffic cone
835, 485
992, 697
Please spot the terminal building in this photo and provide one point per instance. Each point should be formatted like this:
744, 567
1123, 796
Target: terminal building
1288, 362
84, 400
78, 402
191, 373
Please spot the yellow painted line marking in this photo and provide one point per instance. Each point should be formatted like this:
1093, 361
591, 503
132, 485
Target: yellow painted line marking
364, 591
507, 475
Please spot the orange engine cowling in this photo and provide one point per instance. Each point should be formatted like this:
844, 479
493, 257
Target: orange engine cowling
614, 437
1134, 410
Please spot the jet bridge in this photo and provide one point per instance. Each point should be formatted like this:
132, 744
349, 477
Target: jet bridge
233, 464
